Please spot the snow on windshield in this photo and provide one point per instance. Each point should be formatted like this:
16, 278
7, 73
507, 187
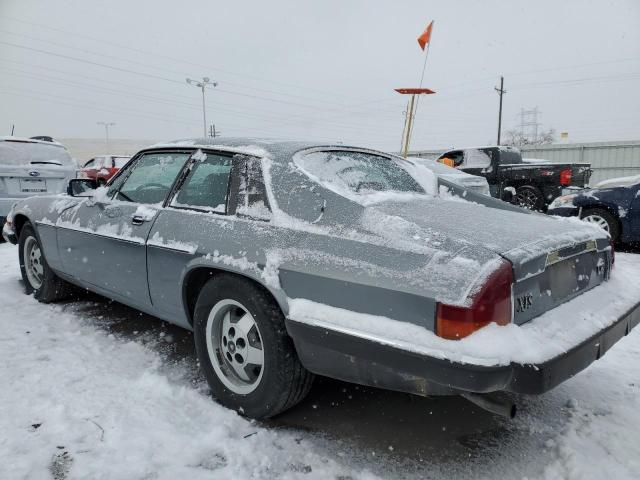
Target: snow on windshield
26, 153
357, 175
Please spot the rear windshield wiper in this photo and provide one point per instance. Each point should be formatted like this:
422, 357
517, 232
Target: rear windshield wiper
46, 162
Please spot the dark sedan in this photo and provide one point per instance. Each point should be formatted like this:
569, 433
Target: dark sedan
613, 205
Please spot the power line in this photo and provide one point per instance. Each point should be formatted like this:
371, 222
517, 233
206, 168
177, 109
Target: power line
165, 101
175, 59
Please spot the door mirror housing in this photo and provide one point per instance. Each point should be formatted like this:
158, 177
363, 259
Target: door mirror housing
81, 187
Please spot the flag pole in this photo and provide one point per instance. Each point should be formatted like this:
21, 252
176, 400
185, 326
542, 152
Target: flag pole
426, 57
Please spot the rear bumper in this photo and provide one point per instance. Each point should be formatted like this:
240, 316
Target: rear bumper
360, 360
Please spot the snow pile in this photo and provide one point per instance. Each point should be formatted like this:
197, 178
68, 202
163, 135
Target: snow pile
77, 400
541, 339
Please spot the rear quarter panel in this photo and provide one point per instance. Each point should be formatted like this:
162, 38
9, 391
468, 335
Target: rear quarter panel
290, 263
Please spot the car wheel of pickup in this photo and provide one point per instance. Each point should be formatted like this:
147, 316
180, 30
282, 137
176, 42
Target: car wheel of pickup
604, 220
37, 276
244, 351
529, 197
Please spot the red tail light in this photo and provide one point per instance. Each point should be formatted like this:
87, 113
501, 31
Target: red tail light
491, 303
565, 177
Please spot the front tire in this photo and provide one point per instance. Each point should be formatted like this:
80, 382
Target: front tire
37, 276
604, 220
244, 351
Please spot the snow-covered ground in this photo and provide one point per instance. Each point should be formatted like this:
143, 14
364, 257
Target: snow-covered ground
80, 398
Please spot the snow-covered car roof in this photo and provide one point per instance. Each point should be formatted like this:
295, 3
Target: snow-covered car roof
619, 182
9, 138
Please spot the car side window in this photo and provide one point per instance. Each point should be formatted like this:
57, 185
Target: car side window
150, 179
90, 164
252, 193
207, 186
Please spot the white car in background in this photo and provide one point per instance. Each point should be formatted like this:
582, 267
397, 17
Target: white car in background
471, 182
31, 167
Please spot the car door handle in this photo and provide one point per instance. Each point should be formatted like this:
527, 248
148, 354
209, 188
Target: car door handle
137, 219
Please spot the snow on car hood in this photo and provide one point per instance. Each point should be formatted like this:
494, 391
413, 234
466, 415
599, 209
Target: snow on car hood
450, 225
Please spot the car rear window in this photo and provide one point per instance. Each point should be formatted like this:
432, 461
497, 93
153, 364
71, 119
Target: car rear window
28, 153
357, 172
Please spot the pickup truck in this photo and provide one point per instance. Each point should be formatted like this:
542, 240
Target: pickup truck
536, 184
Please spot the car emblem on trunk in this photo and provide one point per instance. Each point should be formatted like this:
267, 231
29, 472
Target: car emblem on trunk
33, 173
524, 302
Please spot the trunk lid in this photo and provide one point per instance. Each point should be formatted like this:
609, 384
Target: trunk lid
553, 259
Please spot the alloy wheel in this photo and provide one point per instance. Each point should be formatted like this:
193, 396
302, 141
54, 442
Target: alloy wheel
597, 220
235, 346
32, 259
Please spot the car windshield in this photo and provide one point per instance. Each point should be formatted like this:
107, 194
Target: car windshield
16, 153
347, 172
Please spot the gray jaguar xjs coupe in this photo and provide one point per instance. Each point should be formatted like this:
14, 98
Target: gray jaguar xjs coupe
291, 259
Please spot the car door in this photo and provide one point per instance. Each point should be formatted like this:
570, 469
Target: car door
196, 226
102, 240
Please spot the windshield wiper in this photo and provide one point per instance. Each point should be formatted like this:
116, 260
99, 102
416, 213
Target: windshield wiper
46, 162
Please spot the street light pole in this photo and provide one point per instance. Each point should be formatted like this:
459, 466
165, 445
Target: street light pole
106, 132
202, 85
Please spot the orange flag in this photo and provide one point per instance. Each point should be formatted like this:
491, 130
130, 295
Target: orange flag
426, 36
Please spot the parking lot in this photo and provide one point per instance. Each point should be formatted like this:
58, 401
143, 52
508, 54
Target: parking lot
98, 385
319, 240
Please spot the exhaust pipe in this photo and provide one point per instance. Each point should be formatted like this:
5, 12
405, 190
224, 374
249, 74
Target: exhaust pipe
504, 408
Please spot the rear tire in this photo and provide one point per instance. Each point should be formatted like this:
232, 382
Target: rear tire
529, 197
244, 351
37, 276
604, 219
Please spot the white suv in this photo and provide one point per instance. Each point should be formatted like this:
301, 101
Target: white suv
31, 167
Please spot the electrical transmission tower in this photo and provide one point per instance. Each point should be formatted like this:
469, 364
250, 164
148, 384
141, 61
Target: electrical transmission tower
529, 125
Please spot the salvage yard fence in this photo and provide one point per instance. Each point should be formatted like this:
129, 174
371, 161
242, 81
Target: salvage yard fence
607, 159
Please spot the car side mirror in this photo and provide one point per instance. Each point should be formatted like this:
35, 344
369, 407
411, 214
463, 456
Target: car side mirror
80, 187
509, 194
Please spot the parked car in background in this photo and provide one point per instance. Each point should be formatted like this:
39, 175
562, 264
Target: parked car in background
474, 183
289, 259
613, 205
103, 167
29, 167
535, 184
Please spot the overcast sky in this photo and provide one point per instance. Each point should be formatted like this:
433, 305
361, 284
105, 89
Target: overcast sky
321, 70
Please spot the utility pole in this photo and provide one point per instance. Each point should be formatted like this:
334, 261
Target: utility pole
213, 133
106, 132
501, 91
203, 84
